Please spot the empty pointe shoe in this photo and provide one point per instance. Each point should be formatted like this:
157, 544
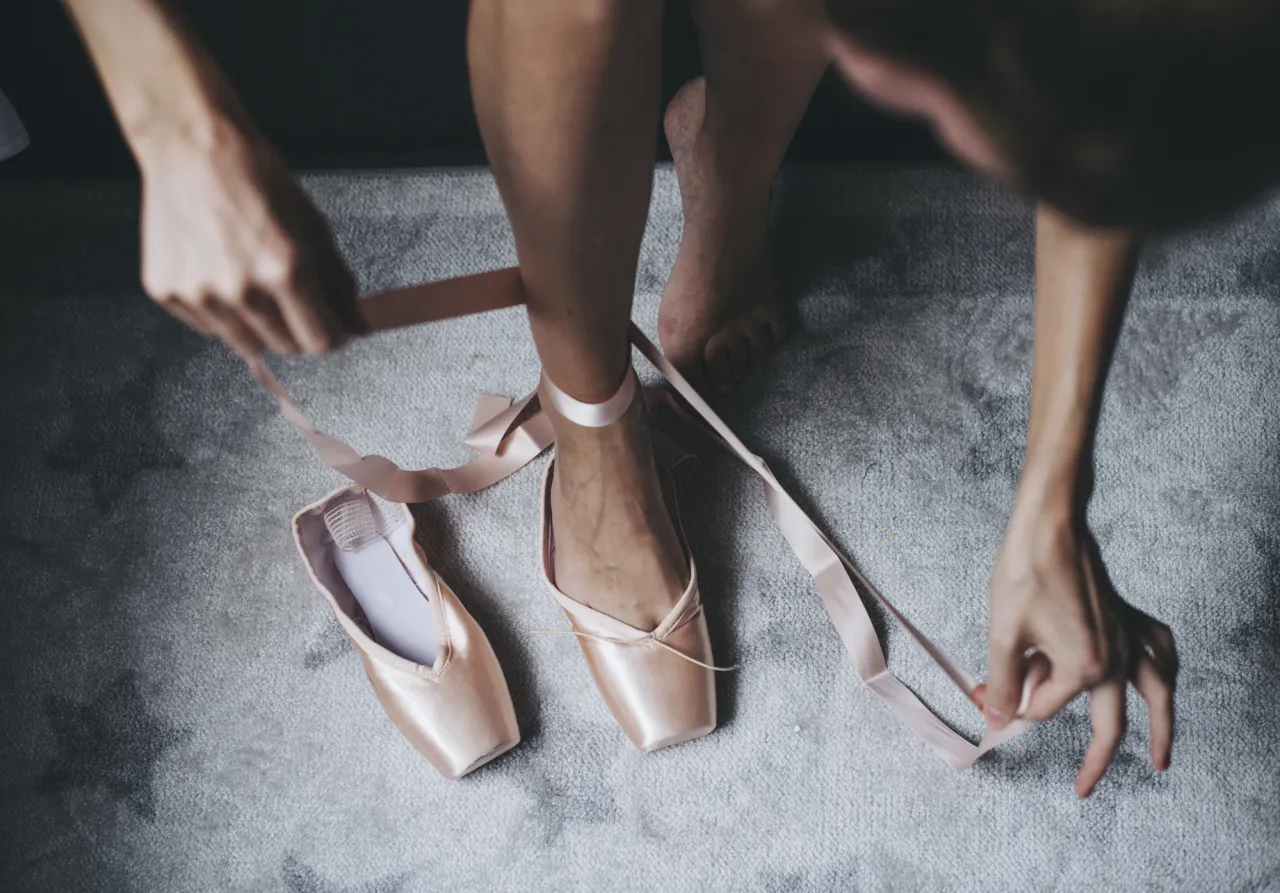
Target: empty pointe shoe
430, 664
659, 684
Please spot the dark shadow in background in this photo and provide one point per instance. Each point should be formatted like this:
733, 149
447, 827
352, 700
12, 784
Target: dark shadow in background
349, 83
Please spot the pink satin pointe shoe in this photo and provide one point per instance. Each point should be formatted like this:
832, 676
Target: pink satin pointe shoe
430, 664
659, 684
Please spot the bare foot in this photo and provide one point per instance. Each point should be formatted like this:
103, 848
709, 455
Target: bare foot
617, 550
720, 314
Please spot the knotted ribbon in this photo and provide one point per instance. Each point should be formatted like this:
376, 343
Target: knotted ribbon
509, 434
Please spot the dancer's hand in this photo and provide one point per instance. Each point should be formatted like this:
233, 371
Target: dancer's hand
233, 247
1050, 592
1057, 626
230, 243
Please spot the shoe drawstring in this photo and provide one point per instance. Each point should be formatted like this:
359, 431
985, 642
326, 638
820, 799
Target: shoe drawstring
596, 637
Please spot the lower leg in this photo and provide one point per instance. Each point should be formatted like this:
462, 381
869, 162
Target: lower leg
566, 93
728, 133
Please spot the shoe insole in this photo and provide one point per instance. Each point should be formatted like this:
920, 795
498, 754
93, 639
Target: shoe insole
400, 615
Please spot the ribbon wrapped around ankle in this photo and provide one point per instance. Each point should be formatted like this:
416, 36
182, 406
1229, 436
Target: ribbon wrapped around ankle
509, 434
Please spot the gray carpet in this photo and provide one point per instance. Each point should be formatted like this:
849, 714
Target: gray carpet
181, 712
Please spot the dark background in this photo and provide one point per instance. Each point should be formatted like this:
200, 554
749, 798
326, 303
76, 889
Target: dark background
348, 83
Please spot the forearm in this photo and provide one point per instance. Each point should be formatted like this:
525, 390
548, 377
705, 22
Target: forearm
161, 81
1083, 277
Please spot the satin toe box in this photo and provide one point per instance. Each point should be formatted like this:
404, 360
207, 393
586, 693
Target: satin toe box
658, 697
458, 714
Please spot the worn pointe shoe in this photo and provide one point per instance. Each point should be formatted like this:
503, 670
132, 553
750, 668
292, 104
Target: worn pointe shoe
659, 684
431, 666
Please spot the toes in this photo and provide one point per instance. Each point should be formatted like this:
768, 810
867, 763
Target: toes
759, 339
727, 361
739, 351
688, 357
762, 341
729, 358
719, 373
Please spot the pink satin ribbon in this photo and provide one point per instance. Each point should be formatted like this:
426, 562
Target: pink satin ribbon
509, 434
834, 575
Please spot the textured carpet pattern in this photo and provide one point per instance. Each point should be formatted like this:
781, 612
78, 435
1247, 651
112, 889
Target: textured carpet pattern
181, 712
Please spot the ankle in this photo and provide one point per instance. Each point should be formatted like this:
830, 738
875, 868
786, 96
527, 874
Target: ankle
625, 438
615, 421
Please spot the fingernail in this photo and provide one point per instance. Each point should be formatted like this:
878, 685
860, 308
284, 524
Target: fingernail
995, 717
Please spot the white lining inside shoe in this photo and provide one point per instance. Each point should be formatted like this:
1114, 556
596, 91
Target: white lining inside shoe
364, 555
